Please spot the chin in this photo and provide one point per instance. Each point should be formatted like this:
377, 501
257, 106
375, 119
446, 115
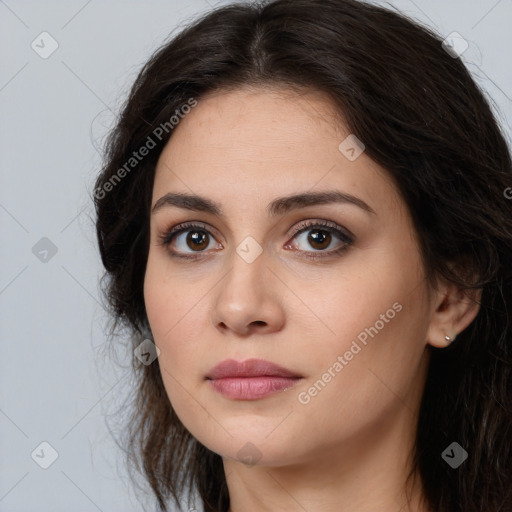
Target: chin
254, 447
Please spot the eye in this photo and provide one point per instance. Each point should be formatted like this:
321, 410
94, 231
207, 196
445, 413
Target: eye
320, 235
198, 239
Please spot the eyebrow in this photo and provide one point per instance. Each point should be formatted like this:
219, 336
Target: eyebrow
278, 206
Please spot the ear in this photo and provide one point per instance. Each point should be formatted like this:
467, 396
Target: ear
453, 310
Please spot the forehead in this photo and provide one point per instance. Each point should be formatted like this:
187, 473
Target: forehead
255, 125
250, 142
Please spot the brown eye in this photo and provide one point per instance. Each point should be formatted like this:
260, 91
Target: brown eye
319, 239
197, 240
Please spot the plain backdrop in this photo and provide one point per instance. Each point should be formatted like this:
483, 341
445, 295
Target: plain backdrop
55, 386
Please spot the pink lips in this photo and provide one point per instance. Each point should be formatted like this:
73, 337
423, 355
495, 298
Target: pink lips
251, 379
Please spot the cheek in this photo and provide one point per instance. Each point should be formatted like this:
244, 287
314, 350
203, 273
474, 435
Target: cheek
176, 313
168, 313
377, 319
370, 384
370, 297
169, 297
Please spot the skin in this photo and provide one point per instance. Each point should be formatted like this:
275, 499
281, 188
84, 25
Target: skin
349, 447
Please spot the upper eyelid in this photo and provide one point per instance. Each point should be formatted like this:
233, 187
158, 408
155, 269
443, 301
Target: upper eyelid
327, 224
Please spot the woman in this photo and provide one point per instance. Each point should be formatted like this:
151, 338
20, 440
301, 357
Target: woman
303, 207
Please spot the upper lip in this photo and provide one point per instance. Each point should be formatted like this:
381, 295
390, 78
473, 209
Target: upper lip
248, 368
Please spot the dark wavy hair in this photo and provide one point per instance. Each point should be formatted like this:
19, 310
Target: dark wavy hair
423, 118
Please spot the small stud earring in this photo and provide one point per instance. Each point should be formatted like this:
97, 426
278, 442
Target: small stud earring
448, 339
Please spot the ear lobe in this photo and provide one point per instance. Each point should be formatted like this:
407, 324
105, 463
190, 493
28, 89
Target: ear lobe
454, 310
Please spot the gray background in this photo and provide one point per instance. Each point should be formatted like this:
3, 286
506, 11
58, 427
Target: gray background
56, 383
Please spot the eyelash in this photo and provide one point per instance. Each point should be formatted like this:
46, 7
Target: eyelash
168, 236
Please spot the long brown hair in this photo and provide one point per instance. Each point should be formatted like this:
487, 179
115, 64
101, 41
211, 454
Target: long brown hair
423, 118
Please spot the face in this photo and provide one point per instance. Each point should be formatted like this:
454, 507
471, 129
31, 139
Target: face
329, 287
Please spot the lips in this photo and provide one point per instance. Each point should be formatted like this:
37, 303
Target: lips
252, 379
249, 368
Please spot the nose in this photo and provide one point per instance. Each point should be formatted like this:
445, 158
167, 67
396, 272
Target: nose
249, 298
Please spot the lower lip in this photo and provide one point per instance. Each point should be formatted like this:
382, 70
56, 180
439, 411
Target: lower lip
252, 388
